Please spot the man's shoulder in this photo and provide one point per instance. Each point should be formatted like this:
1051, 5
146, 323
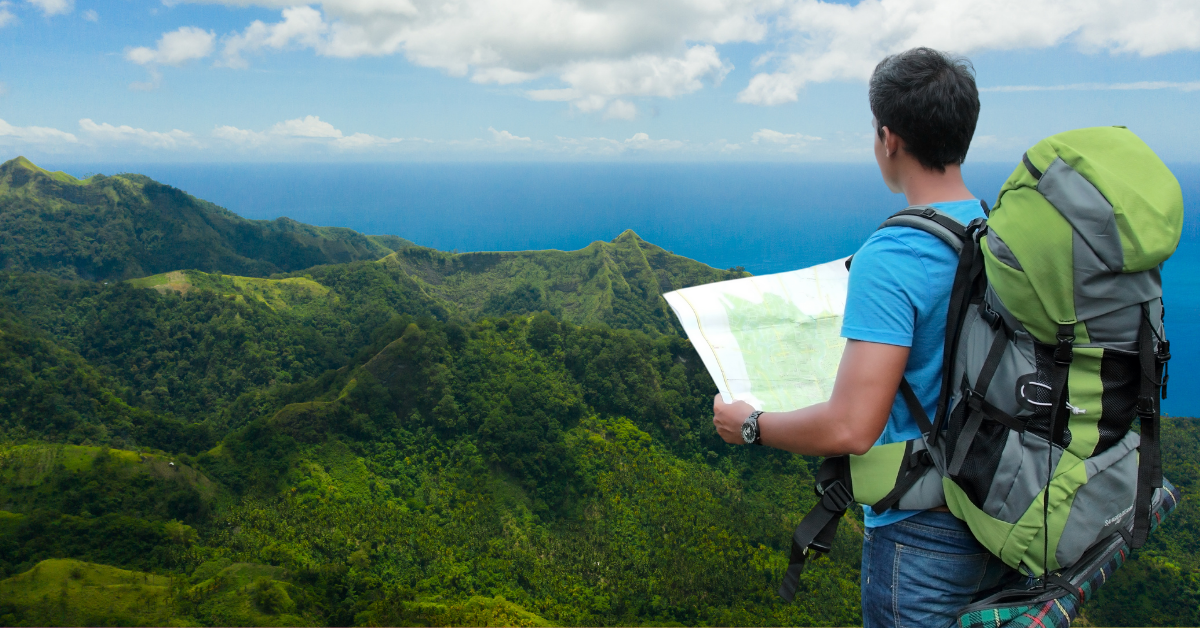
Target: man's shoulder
896, 242
921, 243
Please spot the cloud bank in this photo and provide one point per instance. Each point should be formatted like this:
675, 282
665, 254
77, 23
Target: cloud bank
307, 130
35, 135
109, 134
838, 41
600, 56
311, 137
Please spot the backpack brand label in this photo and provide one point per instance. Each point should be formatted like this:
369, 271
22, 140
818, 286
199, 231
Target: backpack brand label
1117, 517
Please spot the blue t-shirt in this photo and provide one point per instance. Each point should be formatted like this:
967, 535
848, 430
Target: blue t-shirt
898, 294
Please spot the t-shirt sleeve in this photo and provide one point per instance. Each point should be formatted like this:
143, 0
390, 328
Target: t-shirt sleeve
888, 284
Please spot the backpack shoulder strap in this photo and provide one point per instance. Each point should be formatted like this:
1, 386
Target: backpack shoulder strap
931, 221
964, 240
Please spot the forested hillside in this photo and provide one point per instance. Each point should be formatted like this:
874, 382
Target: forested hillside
214, 421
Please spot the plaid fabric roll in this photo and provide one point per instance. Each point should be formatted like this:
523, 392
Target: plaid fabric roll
1059, 611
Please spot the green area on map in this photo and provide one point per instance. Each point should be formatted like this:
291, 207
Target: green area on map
791, 358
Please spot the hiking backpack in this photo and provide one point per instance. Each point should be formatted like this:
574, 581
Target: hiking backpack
1054, 346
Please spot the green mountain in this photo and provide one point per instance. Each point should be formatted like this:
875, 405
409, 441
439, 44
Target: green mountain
405, 437
129, 226
618, 283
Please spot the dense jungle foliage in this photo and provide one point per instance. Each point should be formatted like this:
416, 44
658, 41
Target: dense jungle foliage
422, 438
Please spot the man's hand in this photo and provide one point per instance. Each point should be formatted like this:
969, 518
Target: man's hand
728, 419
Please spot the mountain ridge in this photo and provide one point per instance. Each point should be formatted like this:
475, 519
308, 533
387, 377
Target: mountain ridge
128, 225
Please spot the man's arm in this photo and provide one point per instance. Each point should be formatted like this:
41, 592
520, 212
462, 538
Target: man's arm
849, 423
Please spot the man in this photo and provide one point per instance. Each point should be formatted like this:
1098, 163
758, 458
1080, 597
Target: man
918, 567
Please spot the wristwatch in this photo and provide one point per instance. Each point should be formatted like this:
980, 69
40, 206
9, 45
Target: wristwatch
750, 429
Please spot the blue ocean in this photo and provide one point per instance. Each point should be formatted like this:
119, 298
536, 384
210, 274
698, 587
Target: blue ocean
764, 217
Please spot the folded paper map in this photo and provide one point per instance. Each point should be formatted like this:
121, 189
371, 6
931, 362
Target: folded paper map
772, 341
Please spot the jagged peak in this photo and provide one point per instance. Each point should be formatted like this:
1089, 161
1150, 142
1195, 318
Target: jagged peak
627, 235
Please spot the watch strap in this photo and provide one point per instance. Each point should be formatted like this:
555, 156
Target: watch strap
757, 432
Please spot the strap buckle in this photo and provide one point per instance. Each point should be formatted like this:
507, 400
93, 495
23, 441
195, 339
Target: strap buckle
989, 315
976, 227
974, 399
835, 496
1162, 350
928, 212
920, 458
1063, 353
1145, 407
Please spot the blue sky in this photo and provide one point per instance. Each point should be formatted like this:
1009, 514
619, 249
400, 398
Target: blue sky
557, 80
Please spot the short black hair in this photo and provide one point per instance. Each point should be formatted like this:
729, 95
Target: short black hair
929, 99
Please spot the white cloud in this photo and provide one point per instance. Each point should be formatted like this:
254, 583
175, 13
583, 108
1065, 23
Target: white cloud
842, 41
308, 126
34, 135
53, 7
505, 136
775, 137
501, 76
592, 53
290, 133
105, 132
1140, 85
606, 147
642, 141
363, 141
239, 136
175, 48
91, 15
6, 16
599, 51
620, 110
594, 83
302, 26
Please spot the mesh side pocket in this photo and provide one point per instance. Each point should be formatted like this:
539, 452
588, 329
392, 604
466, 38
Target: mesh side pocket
1119, 374
979, 468
983, 453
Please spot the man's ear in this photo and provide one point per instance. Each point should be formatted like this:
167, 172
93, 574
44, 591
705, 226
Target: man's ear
891, 142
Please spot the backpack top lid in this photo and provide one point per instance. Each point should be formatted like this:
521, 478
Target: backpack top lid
1078, 223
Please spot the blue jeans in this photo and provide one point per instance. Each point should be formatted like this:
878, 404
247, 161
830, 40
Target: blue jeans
919, 572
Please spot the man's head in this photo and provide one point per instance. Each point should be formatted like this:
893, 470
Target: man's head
930, 101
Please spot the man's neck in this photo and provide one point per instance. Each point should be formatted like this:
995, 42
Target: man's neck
922, 186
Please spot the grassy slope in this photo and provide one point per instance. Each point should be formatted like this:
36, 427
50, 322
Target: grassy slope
130, 225
618, 283
26, 469
278, 294
66, 592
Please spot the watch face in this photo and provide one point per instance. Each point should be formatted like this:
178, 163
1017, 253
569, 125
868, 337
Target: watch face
747, 432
